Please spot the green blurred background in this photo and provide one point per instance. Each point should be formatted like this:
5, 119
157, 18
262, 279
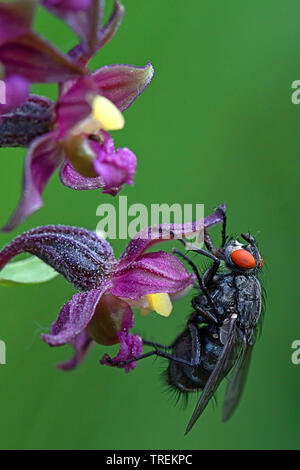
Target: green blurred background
217, 124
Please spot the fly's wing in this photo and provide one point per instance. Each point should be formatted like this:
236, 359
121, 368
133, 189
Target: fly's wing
217, 374
238, 376
237, 382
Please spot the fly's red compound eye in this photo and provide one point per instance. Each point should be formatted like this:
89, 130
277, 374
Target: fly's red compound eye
243, 259
262, 261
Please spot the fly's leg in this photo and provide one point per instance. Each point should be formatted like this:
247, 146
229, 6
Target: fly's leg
198, 250
195, 351
156, 352
210, 316
224, 237
248, 238
212, 270
208, 241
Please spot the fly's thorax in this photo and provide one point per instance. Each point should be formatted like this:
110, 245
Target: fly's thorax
249, 300
223, 294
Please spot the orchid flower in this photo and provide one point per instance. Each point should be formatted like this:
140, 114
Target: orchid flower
73, 132
25, 57
102, 311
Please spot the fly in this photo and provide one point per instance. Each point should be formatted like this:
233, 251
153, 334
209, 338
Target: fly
220, 333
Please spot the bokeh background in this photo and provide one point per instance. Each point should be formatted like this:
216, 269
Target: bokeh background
217, 124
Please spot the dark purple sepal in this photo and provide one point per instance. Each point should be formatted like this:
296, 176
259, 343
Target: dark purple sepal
78, 254
74, 317
111, 27
43, 158
81, 344
34, 58
81, 53
83, 17
16, 18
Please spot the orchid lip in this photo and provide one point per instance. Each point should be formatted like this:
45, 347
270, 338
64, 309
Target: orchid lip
104, 116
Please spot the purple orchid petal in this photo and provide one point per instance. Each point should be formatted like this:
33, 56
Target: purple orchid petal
16, 93
82, 343
152, 273
111, 27
131, 346
115, 167
37, 60
75, 5
16, 18
72, 179
122, 84
81, 53
73, 106
79, 255
162, 233
74, 317
84, 17
42, 160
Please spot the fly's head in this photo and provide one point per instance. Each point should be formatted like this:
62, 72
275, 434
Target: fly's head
242, 258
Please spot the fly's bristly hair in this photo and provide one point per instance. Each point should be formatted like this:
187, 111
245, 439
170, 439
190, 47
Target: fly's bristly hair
178, 397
